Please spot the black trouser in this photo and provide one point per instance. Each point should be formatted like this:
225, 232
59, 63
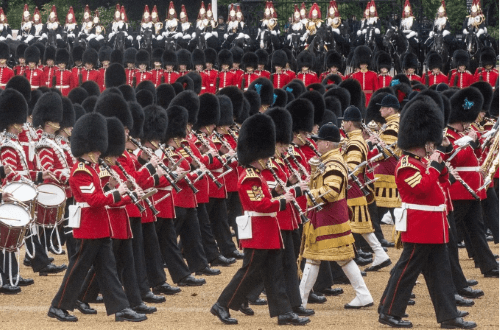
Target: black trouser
141, 273
459, 279
67, 232
217, 213
170, 251
373, 210
41, 259
125, 268
154, 261
490, 212
325, 276
432, 261
297, 240
188, 228
258, 265
99, 253
207, 237
468, 221
233, 210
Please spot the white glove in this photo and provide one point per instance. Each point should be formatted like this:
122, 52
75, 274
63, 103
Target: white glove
130, 38
225, 35
406, 31
215, 34
193, 35
159, 38
273, 33
289, 37
377, 31
18, 37
139, 38
485, 29
2, 38
431, 34
445, 33
58, 36
207, 35
186, 37
336, 31
479, 32
71, 35
100, 37
44, 35
358, 33
411, 34
178, 35
30, 37
465, 31
363, 31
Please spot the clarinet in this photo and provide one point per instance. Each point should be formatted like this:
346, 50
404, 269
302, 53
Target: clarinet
310, 145
283, 186
358, 183
371, 133
188, 181
132, 196
134, 183
168, 175
225, 144
207, 145
208, 172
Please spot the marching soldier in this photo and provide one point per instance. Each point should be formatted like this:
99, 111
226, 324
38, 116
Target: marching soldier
475, 22
130, 69
142, 63
305, 62
104, 56
169, 61
367, 78
34, 75
384, 66
461, 78
237, 60
209, 75
77, 57
250, 62
487, 71
226, 77
441, 26
279, 78
157, 69
49, 67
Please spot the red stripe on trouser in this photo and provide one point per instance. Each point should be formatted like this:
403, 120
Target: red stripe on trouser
248, 268
88, 288
71, 272
399, 280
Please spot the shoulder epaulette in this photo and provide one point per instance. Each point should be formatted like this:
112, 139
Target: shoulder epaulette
103, 173
82, 168
250, 174
405, 163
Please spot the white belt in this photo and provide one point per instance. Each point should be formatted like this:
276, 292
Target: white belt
418, 207
82, 204
34, 87
260, 214
169, 188
468, 169
64, 86
219, 170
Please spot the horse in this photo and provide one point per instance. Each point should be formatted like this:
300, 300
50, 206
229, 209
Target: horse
370, 39
51, 39
440, 47
201, 43
295, 45
170, 44
318, 48
269, 42
147, 41
120, 41
396, 45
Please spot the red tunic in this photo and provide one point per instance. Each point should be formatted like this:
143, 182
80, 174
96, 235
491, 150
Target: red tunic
368, 81
142, 76
170, 77
383, 80
28, 139
490, 76
186, 197
308, 77
237, 76
327, 73
93, 75
20, 69
414, 77
36, 78
77, 71
246, 79
430, 79
5, 75
208, 81
49, 72
52, 158
227, 78
103, 73
65, 81
461, 79
280, 80
263, 73
12, 155
130, 74
291, 74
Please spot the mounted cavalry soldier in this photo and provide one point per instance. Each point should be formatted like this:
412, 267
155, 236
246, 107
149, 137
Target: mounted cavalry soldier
269, 24
314, 23
119, 25
71, 27
297, 28
371, 22
54, 25
98, 33
5, 30
409, 25
441, 25
87, 24
335, 25
147, 24
205, 26
475, 22
24, 33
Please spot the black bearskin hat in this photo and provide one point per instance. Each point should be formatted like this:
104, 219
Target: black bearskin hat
128, 92
4, 51
114, 105
488, 57
146, 85
257, 139
116, 56
49, 54
164, 94
329, 117
421, 122
13, 108
91, 87
20, 50
373, 109
296, 87
280, 98
48, 108
279, 58
225, 57
237, 54
209, 113
487, 91
20, 84
89, 103
105, 54
157, 54
354, 89
333, 104
249, 60
77, 53
335, 78
410, 61
305, 59
466, 105
90, 56
186, 83
494, 104
32, 54
253, 99
434, 61
178, 87
68, 118
316, 87
264, 87
155, 123
210, 56
190, 101
400, 78
145, 97
138, 118
302, 111
142, 57
79, 111
236, 96
62, 56
262, 56
384, 60
198, 57
461, 57
362, 55
283, 124
245, 112
342, 95
177, 122
184, 58
319, 104
196, 78
169, 57
78, 95
226, 111
129, 55
115, 76
116, 138
35, 95
333, 59
89, 134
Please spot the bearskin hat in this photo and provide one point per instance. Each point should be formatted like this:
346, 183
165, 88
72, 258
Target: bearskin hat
35, 95
142, 57
90, 133
145, 97
316, 87
164, 94
13, 108
466, 105
178, 88
226, 111
262, 56
441, 87
4, 51
253, 99
384, 60
290, 96
198, 57
422, 122
116, 56
236, 96
400, 78
90, 56
209, 113
449, 92
333, 59
128, 92
189, 100
342, 95
436, 97
257, 139
373, 109
410, 61
225, 57
418, 86
196, 78
329, 117
186, 83
249, 60
461, 57
20, 84
184, 58
79, 111
177, 122
20, 50
49, 54
105, 54
157, 54
138, 118
446, 108
296, 87
319, 104
389, 90
494, 104
279, 58
280, 98
62, 56
91, 87
89, 103
129, 55
32, 54
114, 105
302, 111
78, 95
155, 123
402, 91
115, 76
333, 104
210, 56
487, 91
169, 57
244, 114
335, 78
434, 61
76, 53
361, 55
488, 57
237, 54
48, 108
68, 118
305, 59
264, 87
354, 89
146, 85
283, 124
116, 138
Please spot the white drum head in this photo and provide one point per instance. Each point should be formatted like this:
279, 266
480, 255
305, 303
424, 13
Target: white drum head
50, 195
14, 215
21, 191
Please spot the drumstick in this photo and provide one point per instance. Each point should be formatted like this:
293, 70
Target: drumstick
53, 177
46, 192
5, 218
13, 198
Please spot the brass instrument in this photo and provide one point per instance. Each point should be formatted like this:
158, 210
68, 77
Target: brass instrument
490, 164
158, 26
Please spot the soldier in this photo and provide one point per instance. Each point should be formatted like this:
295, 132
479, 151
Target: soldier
87, 24
157, 70
371, 24
263, 59
314, 24
305, 62
434, 76
98, 33
119, 25
441, 26
279, 78
130, 68
462, 78
250, 62
77, 57
487, 71
170, 28
336, 26
410, 66
209, 75
5, 72
297, 30
237, 58
34, 75
53, 26
367, 78
184, 62
104, 56
226, 77
384, 66
37, 29
333, 62
146, 24
5, 30
409, 26
49, 67
142, 63
269, 24
90, 72
24, 33
206, 26
71, 26
20, 68
64, 79
475, 22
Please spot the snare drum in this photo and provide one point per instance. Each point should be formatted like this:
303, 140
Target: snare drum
14, 221
50, 205
24, 192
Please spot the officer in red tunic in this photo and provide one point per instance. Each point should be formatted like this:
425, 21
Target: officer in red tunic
279, 78
305, 62
367, 78
65, 80
423, 226
384, 65
184, 62
226, 77
461, 78
263, 59
21, 66
410, 65
250, 62
34, 75
434, 76
333, 64
49, 68
105, 60
169, 62
262, 242
76, 70
92, 227
5, 72
142, 63
209, 75
237, 60
487, 71
157, 69
130, 68
90, 72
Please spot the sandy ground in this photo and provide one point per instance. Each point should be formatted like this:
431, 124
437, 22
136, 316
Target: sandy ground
190, 308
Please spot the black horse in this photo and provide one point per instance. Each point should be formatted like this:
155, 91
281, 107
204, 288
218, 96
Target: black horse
120, 40
147, 41
396, 45
318, 48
